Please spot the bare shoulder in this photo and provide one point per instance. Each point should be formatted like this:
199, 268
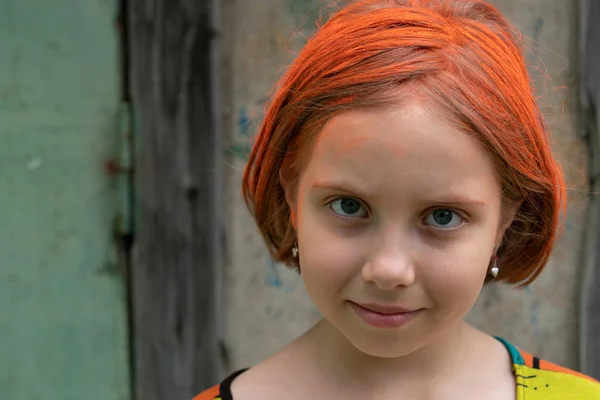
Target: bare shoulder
243, 384
274, 378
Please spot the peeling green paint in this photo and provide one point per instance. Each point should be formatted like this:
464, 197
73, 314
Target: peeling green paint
63, 321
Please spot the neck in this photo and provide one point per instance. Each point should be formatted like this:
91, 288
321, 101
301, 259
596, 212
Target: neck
337, 357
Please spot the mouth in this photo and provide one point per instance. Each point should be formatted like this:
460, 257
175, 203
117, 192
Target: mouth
384, 316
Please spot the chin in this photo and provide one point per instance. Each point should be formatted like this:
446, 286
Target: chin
386, 347
382, 343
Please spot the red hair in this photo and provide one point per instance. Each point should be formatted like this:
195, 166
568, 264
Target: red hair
464, 57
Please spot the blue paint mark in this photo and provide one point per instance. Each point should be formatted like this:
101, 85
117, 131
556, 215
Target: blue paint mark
272, 277
243, 121
242, 148
569, 226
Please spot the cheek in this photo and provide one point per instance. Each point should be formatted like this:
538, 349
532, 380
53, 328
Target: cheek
331, 259
456, 276
459, 269
327, 259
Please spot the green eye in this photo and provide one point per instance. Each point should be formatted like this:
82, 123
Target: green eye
443, 218
348, 207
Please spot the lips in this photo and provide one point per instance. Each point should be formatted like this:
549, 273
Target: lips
385, 309
384, 316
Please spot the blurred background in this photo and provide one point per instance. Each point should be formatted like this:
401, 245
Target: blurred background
130, 268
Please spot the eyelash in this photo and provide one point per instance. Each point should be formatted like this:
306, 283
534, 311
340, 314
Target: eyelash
427, 213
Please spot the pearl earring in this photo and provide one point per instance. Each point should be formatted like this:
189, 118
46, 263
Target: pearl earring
295, 250
495, 270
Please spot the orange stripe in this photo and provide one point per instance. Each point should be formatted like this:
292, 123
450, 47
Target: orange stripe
547, 366
209, 394
528, 358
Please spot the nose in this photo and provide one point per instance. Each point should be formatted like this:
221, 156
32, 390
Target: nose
389, 267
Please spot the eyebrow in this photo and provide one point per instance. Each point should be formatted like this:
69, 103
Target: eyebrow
450, 199
460, 200
337, 187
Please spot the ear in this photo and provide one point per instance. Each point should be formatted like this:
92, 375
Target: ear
290, 195
508, 216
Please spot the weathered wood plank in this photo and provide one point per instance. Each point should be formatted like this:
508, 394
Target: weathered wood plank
177, 246
590, 112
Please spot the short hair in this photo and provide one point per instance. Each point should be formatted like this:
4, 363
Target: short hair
467, 59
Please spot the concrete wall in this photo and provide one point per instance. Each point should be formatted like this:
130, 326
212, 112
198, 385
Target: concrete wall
266, 304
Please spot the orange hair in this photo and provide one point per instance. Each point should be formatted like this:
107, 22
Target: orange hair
464, 57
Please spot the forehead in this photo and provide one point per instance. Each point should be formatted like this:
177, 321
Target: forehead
399, 148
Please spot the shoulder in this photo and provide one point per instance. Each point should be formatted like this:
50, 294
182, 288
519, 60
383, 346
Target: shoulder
221, 391
271, 378
537, 379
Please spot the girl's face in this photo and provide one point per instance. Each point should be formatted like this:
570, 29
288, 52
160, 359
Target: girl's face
397, 214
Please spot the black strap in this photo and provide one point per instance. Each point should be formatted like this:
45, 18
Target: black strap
225, 387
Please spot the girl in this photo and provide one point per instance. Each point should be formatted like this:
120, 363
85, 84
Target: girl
402, 164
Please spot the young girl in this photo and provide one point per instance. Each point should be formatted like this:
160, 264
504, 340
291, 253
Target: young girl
402, 164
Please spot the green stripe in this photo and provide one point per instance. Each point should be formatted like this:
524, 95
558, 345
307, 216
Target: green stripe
516, 356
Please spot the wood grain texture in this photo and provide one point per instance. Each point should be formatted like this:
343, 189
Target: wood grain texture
590, 113
177, 250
